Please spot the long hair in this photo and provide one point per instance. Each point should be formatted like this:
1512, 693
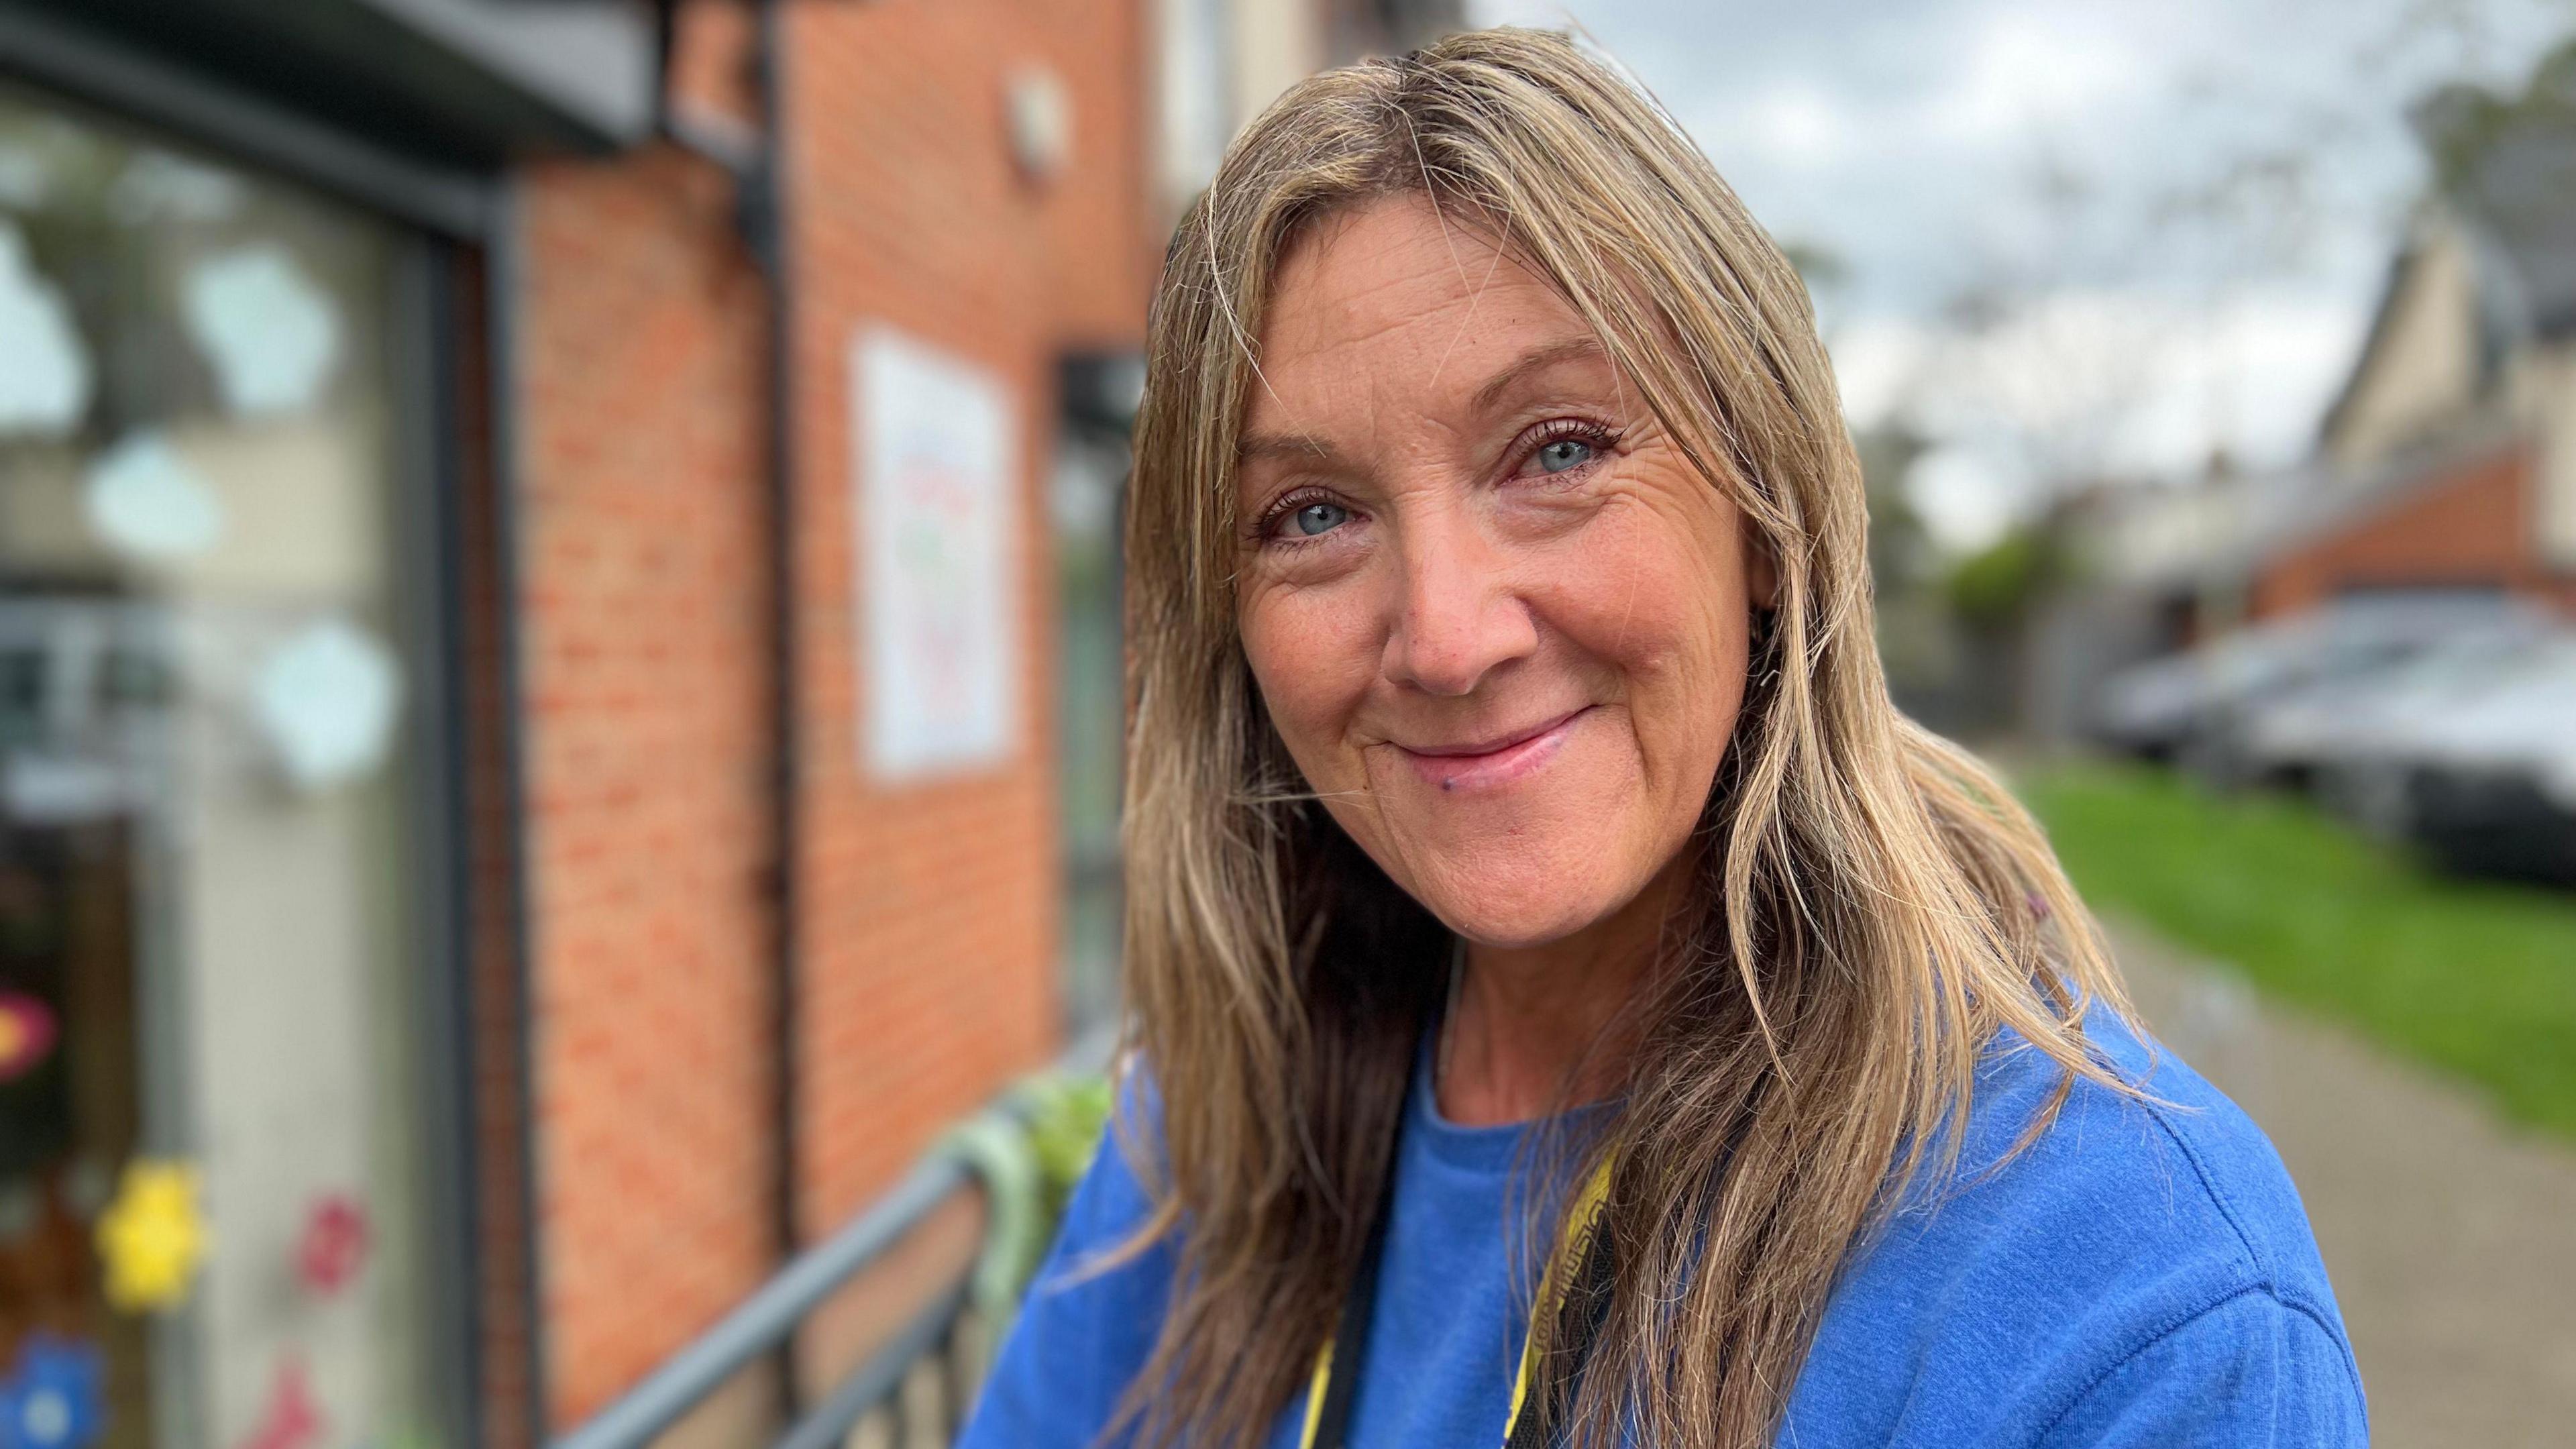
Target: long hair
1871, 907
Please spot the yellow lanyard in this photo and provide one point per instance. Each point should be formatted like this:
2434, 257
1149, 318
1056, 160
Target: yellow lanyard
1565, 1259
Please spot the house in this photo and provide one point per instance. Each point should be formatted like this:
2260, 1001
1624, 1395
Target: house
2445, 467
2448, 460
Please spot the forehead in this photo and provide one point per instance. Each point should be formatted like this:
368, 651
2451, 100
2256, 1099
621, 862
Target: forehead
1395, 301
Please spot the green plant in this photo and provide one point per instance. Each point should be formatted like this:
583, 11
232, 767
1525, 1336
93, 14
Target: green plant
2473, 978
1066, 1115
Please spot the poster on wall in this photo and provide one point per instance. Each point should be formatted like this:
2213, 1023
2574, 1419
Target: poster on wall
934, 504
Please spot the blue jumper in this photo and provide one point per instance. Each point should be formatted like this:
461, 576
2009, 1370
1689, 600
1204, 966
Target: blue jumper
2142, 1275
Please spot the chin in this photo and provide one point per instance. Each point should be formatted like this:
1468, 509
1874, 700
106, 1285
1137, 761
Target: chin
1519, 930
1519, 909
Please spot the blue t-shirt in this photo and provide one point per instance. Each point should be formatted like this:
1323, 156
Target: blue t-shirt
2142, 1275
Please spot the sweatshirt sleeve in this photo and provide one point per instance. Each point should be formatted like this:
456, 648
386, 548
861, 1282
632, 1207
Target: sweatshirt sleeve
1081, 1336
2249, 1373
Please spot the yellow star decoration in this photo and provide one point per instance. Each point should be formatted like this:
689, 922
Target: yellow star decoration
152, 1237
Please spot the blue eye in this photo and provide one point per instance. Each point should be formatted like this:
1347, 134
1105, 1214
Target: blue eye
1564, 453
1317, 518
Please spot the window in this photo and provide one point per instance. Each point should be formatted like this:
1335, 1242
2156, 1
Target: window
1087, 496
211, 843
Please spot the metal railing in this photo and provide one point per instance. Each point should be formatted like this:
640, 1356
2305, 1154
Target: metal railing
772, 1314
767, 1319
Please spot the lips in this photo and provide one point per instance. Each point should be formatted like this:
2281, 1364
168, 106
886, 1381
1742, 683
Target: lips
1491, 762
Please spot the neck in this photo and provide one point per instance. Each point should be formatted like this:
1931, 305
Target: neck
1538, 1025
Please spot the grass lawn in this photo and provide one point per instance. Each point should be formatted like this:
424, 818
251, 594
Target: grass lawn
2478, 980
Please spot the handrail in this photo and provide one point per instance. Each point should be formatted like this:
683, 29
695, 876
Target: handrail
773, 1311
828, 1423
769, 1315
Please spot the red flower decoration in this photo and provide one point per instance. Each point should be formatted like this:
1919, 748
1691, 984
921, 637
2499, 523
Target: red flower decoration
292, 1420
333, 1246
27, 1033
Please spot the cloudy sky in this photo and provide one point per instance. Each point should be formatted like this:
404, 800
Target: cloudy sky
2101, 237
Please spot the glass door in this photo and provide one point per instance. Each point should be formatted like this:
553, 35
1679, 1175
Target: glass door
211, 1135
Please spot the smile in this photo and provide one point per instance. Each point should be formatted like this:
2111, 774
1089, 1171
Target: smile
1489, 763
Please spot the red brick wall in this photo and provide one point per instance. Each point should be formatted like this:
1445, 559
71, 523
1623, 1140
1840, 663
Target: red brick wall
712, 56
928, 920
2472, 527
645, 657
931, 911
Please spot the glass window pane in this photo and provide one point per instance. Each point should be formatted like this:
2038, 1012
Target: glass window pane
209, 1140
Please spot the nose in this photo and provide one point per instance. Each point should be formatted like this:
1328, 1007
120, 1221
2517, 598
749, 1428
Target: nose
1459, 619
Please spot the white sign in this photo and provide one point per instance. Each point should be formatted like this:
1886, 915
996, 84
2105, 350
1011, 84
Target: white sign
934, 503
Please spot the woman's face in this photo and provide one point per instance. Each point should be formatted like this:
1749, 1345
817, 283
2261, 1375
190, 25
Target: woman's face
1499, 620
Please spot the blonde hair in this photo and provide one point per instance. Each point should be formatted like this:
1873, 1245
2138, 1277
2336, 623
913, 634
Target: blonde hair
1871, 906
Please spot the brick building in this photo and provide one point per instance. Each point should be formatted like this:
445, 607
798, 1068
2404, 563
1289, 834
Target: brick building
2444, 471
558, 700
2447, 462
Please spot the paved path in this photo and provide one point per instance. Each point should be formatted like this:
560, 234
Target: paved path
2451, 1238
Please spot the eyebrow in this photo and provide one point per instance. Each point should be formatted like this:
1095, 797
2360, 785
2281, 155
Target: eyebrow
1537, 359
1309, 448
1294, 447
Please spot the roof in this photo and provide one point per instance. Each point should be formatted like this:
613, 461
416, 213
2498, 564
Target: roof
2507, 189
2518, 197
456, 81
2276, 513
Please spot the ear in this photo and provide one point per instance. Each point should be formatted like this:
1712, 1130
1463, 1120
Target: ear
1761, 572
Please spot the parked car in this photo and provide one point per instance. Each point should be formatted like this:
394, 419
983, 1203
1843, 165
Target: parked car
2302, 736
2192, 707
2491, 784
2450, 722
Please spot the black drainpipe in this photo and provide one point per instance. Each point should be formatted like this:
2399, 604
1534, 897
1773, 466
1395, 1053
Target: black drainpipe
758, 166
767, 221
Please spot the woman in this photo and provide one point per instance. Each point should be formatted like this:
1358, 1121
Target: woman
1569, 1002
